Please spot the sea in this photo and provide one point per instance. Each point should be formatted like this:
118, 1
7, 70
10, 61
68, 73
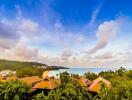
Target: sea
81, 71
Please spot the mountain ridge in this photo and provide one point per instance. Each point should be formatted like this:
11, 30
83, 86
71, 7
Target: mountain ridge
17, 64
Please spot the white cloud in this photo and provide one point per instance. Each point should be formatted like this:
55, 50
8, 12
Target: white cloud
18, 12
28, 27
13, 33
26, 53
120, 59
21, 52
58, 26
105, 33
94, 15
106, 55
8, 34
66, 54
57, 38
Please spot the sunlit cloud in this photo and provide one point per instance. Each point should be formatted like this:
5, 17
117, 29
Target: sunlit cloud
94, 15
49, 38
105, 33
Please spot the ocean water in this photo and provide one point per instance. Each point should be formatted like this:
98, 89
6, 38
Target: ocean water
80, 71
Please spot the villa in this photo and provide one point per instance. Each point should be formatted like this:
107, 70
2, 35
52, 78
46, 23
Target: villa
95, 85
7, 73
50, 83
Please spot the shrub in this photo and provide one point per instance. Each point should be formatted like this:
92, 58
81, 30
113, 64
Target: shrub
13, 90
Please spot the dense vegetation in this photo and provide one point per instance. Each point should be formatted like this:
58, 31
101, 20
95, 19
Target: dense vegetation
24, 69
14, 90
121, 80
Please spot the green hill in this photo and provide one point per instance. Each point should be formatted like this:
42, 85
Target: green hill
14, 65
26, 68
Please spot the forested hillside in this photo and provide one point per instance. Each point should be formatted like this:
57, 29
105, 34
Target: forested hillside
26, 68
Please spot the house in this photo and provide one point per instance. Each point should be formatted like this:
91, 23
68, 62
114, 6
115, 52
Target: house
31, 80
83, 81
96, 85
93, 86
6, 73
47, 83
1, 77
10, 78
41, 83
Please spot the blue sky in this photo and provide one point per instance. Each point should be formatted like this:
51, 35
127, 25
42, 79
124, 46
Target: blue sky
73, 33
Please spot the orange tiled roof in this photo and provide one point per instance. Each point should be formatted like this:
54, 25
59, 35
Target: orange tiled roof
11, 78
83, 81
31, 80
1, 77
95, 86
48, 83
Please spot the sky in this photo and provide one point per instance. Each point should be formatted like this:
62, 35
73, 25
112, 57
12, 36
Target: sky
70, 33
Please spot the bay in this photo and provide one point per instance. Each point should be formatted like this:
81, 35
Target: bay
81, 71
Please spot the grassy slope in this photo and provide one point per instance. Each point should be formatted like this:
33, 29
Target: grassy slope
24, 69
16, 65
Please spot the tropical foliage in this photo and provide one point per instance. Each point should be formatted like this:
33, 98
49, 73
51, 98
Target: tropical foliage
70, 89
13, 90
121, 80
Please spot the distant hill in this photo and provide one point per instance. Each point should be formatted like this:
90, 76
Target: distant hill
26, 68
10, 65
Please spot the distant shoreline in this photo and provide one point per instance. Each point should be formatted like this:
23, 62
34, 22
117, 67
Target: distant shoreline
82, 71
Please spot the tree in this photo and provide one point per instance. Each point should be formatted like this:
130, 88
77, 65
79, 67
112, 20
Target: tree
65, 78
121, 71
13, 90
90, 76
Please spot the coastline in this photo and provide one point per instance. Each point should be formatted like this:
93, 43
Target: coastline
82, 71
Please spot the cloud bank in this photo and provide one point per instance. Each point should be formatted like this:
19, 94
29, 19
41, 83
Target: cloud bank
105, 33
28, 40
8, 35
